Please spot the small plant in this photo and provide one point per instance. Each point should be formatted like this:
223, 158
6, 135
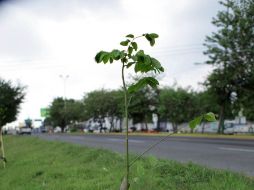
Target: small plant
132, 56
142, 63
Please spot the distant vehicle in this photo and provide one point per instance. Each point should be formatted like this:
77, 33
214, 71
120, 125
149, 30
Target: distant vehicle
231, 128
11, 132
57, 130
43, 130
210, 127
88, 130
25, 130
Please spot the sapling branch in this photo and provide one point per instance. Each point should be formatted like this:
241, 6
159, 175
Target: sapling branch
127, 127
143, 63
129, 101
149, 148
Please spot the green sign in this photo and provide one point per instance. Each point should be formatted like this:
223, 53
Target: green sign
44, 112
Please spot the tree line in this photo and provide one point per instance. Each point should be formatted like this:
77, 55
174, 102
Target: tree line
229, 88
171, 104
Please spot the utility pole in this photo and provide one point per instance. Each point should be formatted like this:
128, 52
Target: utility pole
64, 77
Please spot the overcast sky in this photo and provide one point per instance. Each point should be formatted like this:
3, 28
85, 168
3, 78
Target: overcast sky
42, 39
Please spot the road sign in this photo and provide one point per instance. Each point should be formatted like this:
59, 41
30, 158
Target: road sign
44, 112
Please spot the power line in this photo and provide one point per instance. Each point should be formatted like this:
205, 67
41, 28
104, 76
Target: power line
162, 52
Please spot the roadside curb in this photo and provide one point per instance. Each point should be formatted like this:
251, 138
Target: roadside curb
247, 137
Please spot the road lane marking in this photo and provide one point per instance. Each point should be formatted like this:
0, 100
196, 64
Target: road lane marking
135, 141
123, 140
236, 149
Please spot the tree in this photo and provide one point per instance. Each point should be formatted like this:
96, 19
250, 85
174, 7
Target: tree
177, 106
11, 97
63, 112
115, 107
247, 103
143, 106
206, 102
96, 105
57, 113
221, 90
108, 104
75, 111
230, 51
28, 122
142, 63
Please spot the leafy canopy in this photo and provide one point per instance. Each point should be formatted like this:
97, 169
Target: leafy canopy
63, 112
10, 99
132, 56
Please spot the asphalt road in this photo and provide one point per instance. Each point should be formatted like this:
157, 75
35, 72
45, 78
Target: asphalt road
232, 154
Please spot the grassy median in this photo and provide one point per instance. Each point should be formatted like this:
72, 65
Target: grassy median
34, 164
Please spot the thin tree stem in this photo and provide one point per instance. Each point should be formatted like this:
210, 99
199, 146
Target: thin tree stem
127, 127
149, 148
2, 147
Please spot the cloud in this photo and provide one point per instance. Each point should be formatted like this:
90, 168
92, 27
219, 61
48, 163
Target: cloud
62, 9
19, 38
44, 38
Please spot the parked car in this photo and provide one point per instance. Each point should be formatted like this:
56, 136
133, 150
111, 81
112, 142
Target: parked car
231, 128
43, 130
57, 130
25, 130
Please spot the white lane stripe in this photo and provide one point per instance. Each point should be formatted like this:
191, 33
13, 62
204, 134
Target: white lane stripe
237, 149
136, 141
122, 140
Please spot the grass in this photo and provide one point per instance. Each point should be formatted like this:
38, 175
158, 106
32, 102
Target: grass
34, 164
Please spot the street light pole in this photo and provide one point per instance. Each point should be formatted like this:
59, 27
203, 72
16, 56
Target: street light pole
64, 77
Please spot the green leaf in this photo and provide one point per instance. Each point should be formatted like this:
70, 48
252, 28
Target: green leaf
116, 54
106, 58
99, 56
150, 39
135, 87
124, 60
209, 117
122, 54
145, 63
134, 45
125, 43
195, 122
130, 64
152, 82
130, 49
130, 36
156, 65
142, 83
152, 42
153, 35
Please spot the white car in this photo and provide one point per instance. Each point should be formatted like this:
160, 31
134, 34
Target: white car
236, 128
25, 130
57, 130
